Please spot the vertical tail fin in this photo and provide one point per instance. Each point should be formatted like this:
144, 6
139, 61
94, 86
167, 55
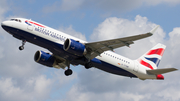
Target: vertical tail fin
151, 59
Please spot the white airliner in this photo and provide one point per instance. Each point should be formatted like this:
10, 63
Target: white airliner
68, 50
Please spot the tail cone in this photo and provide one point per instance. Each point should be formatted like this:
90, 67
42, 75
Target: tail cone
160, 77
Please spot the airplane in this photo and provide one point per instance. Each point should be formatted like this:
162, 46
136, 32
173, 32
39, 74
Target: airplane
67, 50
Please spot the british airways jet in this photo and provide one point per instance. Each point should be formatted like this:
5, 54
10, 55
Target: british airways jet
66, 50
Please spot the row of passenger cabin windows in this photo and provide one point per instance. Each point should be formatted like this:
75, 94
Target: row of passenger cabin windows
15, 20
46, 30
51, 32
117, 58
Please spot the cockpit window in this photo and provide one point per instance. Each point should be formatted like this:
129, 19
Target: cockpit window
15, 20
12, 19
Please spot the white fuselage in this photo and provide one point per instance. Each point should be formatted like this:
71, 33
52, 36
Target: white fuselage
55, 36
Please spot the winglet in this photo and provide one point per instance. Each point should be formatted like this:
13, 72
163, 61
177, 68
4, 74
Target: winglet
154, 29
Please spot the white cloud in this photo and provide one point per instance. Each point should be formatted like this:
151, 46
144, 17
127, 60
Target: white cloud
72, 32
130, 97
20, 76
174, 36
42, 86
36, 88
170, 93
76, 95
11, 91
114, 27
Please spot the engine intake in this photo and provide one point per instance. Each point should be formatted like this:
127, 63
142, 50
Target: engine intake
44, 58
74, 47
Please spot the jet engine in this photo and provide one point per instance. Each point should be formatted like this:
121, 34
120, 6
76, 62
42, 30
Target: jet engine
44, 58
74, 47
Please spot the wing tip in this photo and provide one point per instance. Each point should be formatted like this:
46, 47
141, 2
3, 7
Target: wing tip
175, 69
154, 29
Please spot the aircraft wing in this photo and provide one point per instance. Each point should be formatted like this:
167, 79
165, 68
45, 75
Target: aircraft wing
96, 48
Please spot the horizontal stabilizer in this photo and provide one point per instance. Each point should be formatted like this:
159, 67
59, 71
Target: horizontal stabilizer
161, 71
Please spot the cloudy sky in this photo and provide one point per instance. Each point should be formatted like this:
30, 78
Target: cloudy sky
21, 79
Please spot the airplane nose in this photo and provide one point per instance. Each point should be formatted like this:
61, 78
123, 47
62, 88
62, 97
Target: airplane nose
5, 24
2, 23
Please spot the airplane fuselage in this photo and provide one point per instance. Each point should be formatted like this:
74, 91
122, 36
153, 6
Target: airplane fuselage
53, 40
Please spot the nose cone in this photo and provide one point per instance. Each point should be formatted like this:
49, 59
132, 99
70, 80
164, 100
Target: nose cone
2, 24
5, 25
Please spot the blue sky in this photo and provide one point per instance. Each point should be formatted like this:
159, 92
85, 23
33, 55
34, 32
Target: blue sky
23, 79
85, 19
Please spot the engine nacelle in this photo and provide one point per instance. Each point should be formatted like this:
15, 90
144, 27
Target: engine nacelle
74, 47
44, 58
